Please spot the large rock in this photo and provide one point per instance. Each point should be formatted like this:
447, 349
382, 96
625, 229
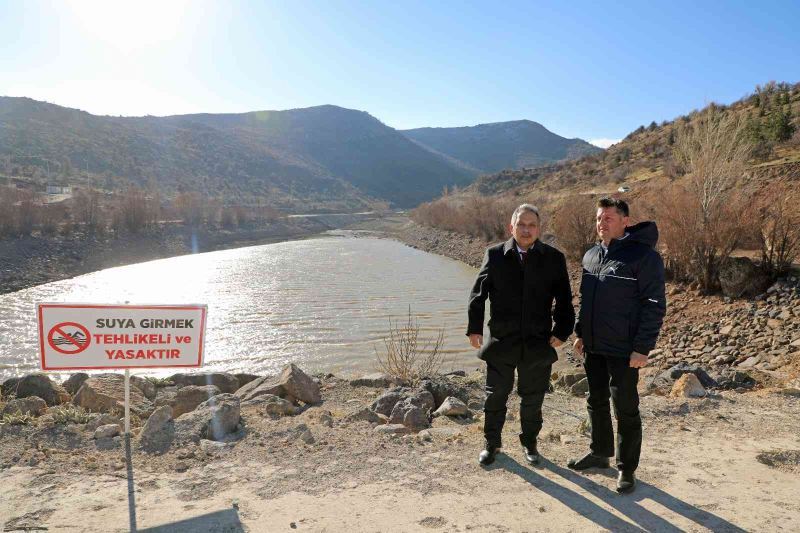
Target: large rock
212, 420
147, 387
74, 382
740, 277
107, 431
103, 419
378, 380
386, 401
729, 378
227, 383
244, 379
565, 380
105, 393
365, 414
159, 430
264, 386
292, 384
442, 388
272, 405
675, 372
422, 399
687, 386
167, 396
39, 385
579, 388
452, 407
190, 396
299, 385
32, 405
413, 411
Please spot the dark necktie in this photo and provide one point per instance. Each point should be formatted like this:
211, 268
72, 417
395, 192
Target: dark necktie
522, 256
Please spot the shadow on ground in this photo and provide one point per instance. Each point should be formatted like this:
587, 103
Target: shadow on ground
629, 505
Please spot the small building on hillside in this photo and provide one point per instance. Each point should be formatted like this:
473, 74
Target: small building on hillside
59, 189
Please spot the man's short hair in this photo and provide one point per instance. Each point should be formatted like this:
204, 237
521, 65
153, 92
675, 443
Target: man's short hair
530, 208
620, 205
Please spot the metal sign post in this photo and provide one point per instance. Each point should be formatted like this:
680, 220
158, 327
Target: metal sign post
127, 401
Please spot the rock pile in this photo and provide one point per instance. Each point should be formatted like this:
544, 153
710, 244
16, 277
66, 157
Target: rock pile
762, 335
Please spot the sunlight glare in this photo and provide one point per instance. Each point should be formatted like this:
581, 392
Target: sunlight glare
132, 26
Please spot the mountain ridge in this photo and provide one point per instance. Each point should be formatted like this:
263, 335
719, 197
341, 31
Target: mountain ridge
326, 156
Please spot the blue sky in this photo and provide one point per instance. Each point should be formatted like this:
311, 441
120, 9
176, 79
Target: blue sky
595, 70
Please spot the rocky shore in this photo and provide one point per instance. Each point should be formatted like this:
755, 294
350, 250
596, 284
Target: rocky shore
224, 452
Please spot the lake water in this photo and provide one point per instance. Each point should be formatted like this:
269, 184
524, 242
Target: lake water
323, 303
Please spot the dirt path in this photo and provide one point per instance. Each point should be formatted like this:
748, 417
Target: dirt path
726, 463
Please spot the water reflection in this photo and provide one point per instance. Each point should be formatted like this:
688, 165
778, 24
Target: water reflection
323, 303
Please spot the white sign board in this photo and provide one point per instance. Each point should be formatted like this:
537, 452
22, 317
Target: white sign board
105, 337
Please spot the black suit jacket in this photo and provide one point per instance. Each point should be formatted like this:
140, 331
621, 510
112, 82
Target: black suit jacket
522, 317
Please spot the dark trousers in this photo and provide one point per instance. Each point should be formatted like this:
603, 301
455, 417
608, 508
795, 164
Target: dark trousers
533, 381
613, 378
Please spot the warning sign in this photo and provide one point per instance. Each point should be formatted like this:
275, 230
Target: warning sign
96, 336
69, 343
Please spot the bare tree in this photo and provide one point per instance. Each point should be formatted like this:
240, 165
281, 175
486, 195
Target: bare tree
192, 207
714, 151
87, 210
574, 225
701, 219
26, 212
779, 232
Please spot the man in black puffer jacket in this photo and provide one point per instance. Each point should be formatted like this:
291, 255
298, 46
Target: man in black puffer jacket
622, 309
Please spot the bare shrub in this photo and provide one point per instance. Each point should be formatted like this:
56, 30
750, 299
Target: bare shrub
779, 232
6, 216
25, 217
193, 208
483, 217
227, 218
701, 220
408, 357
574, 225
50, 217
87, 211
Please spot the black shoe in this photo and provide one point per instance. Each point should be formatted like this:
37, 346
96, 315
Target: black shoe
487, 455
588, 461
626, 482
531, 454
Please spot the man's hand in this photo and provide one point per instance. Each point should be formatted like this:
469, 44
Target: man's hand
476, 340
638, 360
577, 346
555, 342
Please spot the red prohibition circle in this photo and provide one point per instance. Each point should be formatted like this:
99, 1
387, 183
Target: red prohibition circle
68, 344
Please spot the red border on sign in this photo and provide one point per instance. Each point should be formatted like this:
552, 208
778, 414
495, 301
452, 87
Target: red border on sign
75, 324
201, 341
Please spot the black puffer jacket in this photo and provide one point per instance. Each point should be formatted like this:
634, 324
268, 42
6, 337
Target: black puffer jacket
622, 294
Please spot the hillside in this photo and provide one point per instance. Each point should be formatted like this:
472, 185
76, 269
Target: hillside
321, 157
643, 161
503, 145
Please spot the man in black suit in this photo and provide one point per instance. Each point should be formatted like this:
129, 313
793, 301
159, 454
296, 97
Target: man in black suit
521, 277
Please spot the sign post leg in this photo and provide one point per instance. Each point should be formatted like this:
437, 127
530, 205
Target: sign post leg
127, 401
